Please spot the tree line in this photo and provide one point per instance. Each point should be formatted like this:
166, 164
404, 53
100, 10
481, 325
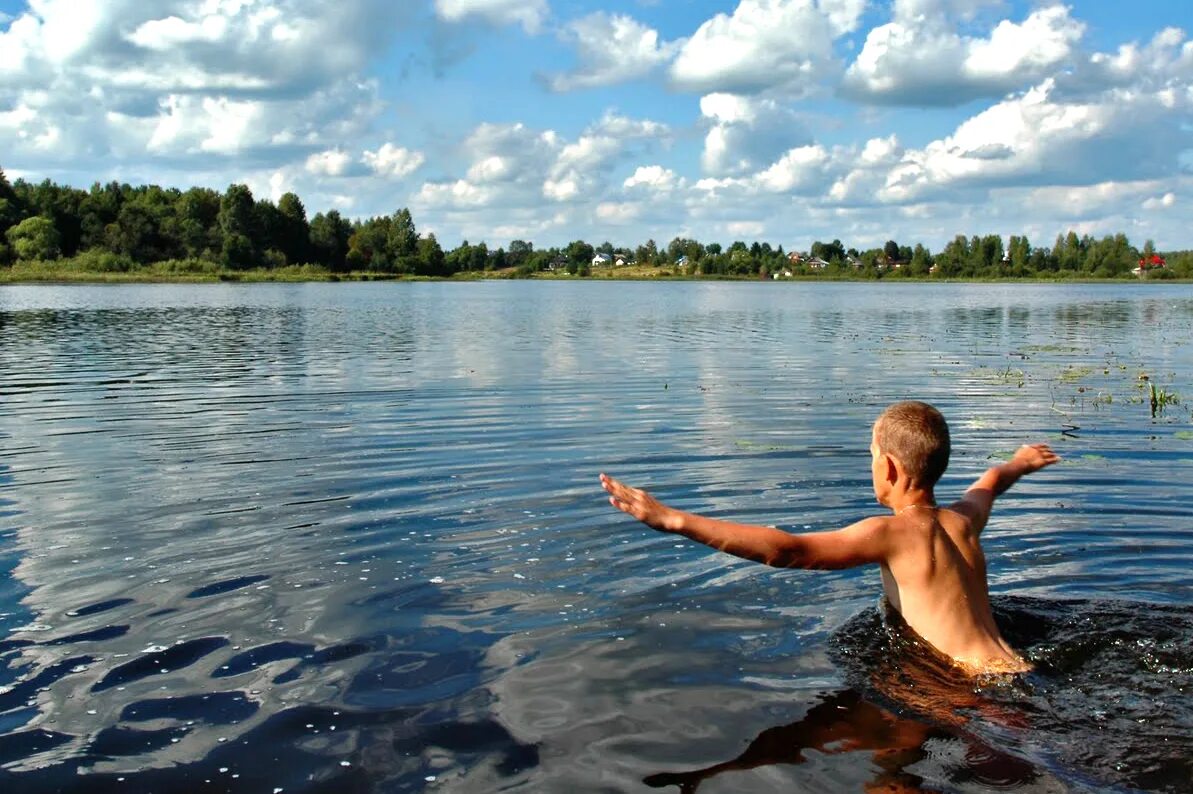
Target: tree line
117, 227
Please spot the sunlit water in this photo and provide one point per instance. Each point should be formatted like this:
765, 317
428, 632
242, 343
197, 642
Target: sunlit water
350, 537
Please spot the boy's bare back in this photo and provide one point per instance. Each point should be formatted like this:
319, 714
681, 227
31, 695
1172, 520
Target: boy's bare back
933, 568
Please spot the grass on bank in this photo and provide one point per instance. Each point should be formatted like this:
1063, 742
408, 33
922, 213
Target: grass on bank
104, 267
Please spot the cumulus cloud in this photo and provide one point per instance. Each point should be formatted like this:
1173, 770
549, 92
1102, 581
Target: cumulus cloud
1159, 202
583, 164
611, 48
1084, 202
919, 58
522, 179
778, 45
530, 14
654, 178
617, 212
394, 162
182, 78
1037, 138
332, 162
747, 132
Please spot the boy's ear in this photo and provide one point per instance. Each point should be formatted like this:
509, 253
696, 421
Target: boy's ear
890, 469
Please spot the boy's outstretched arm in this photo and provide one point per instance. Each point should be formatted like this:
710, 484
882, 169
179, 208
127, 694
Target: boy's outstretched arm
979, 499
860, 543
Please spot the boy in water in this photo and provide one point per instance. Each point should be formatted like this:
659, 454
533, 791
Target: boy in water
933, 568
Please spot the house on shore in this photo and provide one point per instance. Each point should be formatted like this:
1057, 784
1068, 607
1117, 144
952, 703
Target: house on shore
1148, 264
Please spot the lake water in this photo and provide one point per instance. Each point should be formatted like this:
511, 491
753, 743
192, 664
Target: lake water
349, 537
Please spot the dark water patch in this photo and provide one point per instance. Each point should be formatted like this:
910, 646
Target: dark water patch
10, 645
16, 694
216, 708
218, 588
19, 745
95, 609
158, 662
253, 658
96, 635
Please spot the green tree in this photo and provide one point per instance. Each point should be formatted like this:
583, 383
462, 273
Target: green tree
519, 251
952, 260
579, 254
34, 238
197, 214
431, 260
237, 221
329, 240
921, 261
295, 240
403, 241
133, 234
10, 206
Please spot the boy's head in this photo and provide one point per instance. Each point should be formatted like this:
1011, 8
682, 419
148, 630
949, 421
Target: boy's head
916, 436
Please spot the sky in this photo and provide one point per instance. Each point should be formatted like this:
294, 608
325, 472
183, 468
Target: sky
782, 121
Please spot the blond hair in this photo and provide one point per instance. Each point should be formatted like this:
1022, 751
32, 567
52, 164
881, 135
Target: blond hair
917, 435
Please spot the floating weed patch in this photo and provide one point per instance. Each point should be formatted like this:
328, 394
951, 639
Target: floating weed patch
1073, 373
1007, 374
1183, 435
1051, 349
755, 446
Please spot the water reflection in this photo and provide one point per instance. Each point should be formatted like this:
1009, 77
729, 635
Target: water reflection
845, 723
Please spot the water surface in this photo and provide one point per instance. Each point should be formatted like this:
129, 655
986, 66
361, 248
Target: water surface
339, 537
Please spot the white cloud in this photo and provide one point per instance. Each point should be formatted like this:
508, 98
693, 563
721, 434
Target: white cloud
520, 179
653, 177
162, 34
784, 45
612, 48
801, 169
530, 14
181, 78
1160, 202
1035, 138
332, 162
920, 59
618, 213
753, 229
581, 166
1080, 202
747, 133
393, 162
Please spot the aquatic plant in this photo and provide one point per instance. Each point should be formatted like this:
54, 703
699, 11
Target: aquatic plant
1161, 398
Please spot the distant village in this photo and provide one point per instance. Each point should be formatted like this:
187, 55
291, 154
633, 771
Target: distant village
795, 263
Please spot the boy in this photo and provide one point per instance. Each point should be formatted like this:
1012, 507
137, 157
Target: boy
933, 569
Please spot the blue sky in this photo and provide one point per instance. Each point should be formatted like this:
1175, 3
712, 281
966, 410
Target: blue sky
551, 120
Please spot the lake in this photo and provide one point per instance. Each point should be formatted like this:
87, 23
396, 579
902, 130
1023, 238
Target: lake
349, 537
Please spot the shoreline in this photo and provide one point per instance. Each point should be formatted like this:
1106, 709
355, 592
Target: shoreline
309, 275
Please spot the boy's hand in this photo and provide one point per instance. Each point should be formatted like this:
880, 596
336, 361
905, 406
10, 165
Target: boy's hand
1033, 457
639, 504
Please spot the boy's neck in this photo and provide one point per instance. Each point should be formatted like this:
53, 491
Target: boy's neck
905, 499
